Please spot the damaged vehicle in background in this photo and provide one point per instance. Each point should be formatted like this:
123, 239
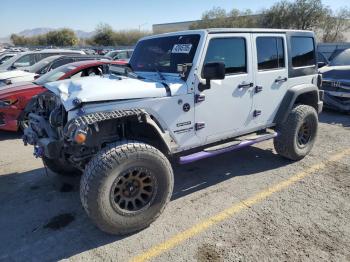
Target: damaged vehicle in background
15, 100
336, 82
45, 65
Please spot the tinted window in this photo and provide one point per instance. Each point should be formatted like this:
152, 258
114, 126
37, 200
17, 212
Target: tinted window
270, 52
61, 62
26, 60
303, 51
230, 51
164, 53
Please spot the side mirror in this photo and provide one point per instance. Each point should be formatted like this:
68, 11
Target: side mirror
36, 77
212, 71
321, 64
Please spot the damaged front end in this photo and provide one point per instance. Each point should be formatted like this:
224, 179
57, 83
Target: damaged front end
76, 140
337, 94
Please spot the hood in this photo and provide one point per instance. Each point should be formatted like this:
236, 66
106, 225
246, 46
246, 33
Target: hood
13, 74
107, 88
10, 89
336, 73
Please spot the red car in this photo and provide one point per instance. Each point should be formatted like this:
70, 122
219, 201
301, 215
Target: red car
14, 99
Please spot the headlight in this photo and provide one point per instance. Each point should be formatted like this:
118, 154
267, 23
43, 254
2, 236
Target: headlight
8, 102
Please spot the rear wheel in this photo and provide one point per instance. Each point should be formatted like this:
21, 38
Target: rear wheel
298, 134
61, 167
126, 187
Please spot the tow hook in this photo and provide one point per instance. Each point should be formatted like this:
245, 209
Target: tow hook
38, 152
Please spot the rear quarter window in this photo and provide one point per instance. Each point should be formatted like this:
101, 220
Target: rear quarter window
303, 51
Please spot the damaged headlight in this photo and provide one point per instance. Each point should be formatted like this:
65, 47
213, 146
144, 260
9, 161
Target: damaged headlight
8, 102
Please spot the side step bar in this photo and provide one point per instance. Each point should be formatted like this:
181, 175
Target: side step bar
224, 149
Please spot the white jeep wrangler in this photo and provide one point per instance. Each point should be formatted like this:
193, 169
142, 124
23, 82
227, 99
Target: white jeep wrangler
186, 96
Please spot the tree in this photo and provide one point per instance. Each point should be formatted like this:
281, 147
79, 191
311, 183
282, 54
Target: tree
300, 14
64, 37
334, 25
103, 35
18, 40
218, 17
128, 37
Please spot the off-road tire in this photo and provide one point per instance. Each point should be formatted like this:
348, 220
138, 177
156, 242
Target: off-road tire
286, 143
61, 167
106, 168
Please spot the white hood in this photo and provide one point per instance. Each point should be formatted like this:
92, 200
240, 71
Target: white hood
107, 88
13, 74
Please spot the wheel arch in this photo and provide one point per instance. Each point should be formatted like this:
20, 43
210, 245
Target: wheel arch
307, 94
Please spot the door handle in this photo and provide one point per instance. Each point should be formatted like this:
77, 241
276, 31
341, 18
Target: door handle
280, 79
245, 85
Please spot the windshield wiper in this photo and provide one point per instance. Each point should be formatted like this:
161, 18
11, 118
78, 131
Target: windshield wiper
161, 76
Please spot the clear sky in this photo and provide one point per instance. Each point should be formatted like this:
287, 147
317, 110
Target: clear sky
17, 15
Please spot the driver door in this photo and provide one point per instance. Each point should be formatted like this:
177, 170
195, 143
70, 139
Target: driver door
226, 109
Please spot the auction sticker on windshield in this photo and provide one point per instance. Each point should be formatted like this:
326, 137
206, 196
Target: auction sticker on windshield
181, 48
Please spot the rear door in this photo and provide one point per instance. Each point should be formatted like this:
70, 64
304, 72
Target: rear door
271, 75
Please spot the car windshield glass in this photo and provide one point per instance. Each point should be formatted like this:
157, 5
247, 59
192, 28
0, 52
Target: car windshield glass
163, 54
54, 75
41, 64
111, 54
342, 59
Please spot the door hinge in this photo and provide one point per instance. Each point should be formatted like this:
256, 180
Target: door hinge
258, 89
199, 98
257, 113
199, 126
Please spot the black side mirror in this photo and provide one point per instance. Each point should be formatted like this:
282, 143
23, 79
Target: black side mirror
212, 71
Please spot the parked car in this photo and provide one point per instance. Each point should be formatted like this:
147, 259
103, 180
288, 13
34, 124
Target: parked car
31, 57
191, 95
43, 66
121, 55
336, 82
6, 56
14, 98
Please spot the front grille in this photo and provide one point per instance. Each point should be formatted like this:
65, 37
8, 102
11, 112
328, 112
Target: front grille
335, 86
2, 119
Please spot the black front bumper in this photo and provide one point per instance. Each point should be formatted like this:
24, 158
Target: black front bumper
338, 103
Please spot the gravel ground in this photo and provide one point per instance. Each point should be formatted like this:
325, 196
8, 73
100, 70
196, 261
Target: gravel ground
41, 218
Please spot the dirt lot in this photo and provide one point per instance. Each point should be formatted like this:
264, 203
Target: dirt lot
41, 218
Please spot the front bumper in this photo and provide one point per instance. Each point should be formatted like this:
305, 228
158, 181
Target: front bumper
337, 102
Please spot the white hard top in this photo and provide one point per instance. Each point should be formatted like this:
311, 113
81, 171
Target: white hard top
230, 30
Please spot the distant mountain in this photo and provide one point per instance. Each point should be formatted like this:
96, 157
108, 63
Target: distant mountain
44, 30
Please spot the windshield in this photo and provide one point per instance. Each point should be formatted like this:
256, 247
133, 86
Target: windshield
342, 59
54, 75
163, 54
10, 61
111, 54
37, 67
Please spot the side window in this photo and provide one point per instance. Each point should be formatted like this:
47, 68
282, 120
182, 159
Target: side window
303, 51
121, 55
26, 60
270, 53
230, 51
61, 62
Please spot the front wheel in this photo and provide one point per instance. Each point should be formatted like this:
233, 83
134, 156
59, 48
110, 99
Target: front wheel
126, 187
298, 134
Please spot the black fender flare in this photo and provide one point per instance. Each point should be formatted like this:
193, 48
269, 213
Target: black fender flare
291, 97
138, 114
